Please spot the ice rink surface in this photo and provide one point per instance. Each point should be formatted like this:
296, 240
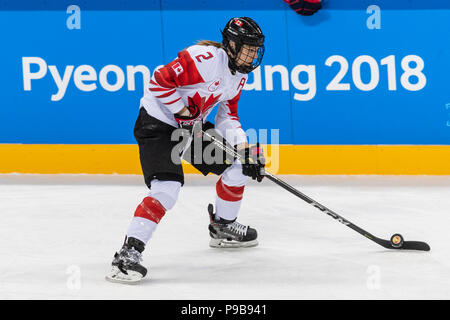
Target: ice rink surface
59, 233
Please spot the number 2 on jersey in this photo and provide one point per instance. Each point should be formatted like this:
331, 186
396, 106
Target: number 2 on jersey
203, 56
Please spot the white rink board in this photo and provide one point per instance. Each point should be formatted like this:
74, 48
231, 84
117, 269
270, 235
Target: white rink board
58, 234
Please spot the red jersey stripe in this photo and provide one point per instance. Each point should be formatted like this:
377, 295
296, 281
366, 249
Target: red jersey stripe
158, 89
167, 94
232, 105
172, 101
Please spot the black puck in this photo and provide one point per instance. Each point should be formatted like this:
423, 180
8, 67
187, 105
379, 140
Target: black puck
397, 240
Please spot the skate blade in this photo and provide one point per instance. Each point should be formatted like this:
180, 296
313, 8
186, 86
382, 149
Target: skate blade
223, 243
118, 276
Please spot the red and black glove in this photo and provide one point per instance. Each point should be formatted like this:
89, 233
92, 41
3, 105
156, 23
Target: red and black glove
254, 162
305, 7
187, 122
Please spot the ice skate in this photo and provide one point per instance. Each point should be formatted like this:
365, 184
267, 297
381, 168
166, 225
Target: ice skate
126, 266
230, 233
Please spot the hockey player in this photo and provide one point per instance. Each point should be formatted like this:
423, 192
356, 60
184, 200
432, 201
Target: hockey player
181, 95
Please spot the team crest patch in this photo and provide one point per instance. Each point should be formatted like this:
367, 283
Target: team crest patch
213, 86
177, 68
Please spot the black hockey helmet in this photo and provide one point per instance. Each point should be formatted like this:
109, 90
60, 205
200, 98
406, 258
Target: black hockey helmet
242, 31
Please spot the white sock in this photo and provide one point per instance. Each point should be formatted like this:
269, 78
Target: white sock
141, 229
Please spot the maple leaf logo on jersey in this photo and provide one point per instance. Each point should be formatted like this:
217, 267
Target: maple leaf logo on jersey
203, 103
213, 86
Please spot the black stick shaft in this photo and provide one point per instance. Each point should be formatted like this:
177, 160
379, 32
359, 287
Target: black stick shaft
319, 206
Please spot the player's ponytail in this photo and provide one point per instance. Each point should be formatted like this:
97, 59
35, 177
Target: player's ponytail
209, 43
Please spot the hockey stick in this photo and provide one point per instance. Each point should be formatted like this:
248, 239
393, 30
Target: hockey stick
396, 241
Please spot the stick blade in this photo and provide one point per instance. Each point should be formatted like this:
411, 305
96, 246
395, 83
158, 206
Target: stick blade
415, 245
407, 245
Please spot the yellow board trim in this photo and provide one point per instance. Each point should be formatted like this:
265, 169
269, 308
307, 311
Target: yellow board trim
282, 159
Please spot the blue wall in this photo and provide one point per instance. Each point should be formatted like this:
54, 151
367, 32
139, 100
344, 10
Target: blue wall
150, 33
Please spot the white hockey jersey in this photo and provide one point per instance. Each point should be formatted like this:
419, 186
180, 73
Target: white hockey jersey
200, 76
